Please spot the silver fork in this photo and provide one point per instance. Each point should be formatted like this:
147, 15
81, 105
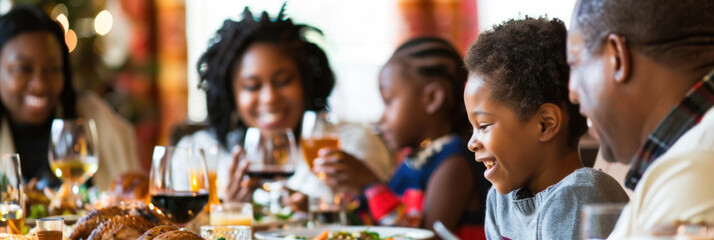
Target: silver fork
443, 232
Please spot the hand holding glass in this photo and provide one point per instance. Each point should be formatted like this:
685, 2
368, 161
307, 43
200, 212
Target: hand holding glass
318, 131
272, 155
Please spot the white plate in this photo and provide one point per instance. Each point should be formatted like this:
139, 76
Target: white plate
411, 233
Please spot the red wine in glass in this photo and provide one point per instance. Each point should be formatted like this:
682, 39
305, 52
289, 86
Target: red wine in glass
178, 185
180, 207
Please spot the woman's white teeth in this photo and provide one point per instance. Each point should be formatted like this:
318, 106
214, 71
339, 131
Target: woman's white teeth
34, 101
269, 117
489, 164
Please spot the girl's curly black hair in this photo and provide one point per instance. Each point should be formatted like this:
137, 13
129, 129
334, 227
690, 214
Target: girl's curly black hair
217, 65
27, 19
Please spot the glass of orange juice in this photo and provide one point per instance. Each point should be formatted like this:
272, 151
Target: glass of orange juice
318, 131
232, 213
215, 161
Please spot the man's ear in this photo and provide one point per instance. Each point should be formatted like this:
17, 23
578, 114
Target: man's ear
434, 96
550, 119
619, 57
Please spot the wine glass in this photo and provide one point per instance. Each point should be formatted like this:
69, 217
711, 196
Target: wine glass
73, 155
272, 156
12, 217
178, 184
318, 131
271, 153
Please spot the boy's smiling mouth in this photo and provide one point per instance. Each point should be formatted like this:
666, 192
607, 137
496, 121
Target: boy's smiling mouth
490, 163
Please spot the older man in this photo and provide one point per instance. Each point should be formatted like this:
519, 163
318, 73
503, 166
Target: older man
642, 72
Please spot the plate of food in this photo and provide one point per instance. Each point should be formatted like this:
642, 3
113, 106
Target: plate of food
347, 232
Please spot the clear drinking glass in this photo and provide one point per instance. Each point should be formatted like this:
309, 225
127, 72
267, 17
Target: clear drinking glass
73, 154
599, 219
272, 157
227, 232
50, 228
217, 166
178, 184
271, 153
326, 208
318, 131
12, 214
232, 213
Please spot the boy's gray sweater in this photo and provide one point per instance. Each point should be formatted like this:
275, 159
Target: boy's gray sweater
554, 213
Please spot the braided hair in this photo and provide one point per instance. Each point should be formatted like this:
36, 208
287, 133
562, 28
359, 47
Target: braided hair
435, 59
26, 19
217, 65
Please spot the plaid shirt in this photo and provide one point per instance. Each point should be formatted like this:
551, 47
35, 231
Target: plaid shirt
683, 117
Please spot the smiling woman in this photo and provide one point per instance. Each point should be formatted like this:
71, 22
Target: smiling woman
263, 73
36, 86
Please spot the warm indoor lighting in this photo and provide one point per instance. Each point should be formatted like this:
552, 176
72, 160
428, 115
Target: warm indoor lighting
194, 183
62, 19
59, 9
103, 22
71, 39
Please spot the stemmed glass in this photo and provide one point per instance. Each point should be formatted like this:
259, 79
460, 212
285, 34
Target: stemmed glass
319, 130
178, 184
12, 216
73, 155
272, 156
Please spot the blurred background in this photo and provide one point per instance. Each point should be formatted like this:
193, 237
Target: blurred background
140, 55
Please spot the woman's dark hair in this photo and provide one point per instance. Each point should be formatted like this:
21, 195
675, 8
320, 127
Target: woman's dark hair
217, 65
524, 63
435, 59
26, 19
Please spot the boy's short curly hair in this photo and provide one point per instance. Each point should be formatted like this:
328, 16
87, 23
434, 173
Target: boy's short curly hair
525, 64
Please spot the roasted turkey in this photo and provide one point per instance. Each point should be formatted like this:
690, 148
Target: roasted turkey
125, 227
156, 231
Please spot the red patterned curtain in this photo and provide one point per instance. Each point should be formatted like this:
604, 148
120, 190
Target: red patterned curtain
454, 20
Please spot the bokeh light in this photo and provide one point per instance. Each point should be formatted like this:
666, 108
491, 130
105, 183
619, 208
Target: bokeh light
62, 19
71, 38
103, 23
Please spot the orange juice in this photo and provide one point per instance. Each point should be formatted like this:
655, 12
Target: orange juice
310, 146
231, 218
212, 188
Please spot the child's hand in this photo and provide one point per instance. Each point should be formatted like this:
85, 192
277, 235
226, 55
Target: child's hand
342, 171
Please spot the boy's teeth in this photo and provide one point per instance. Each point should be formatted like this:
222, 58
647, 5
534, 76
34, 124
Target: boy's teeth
489, 164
